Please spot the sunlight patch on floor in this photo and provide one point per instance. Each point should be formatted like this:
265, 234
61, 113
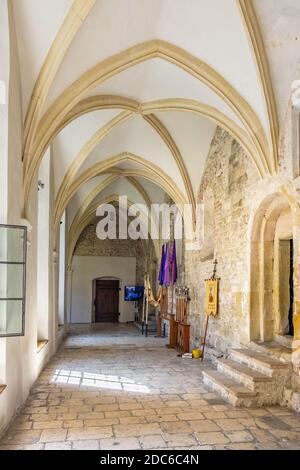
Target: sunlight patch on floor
101, 381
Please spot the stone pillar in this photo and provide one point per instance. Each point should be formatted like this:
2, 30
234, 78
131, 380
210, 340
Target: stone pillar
69, 296
55, 297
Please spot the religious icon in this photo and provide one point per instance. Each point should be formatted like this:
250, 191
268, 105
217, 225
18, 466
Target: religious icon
211, 300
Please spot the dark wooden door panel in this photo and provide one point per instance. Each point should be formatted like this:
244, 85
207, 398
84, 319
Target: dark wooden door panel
107, 301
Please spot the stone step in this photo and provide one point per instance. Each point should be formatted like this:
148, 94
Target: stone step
236, 394
286, 341
274, 349
242, 374
258, 361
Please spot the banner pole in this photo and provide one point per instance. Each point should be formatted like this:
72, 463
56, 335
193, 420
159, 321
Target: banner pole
204, 341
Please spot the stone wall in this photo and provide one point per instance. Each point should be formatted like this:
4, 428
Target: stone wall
90, 245
227, 177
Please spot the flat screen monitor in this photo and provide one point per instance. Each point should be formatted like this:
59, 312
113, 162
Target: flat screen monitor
133, 293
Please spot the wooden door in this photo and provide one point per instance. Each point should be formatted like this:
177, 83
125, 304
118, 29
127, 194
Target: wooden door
107, 301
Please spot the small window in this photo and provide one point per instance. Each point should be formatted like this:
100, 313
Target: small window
13, 245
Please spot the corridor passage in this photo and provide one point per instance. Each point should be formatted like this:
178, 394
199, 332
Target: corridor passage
113, 389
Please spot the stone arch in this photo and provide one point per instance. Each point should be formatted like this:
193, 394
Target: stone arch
147, 111
118, 120
275, 223
87, 217
148, 171
128, 58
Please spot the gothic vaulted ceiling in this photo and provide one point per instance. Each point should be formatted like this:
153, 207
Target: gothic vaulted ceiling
128, 94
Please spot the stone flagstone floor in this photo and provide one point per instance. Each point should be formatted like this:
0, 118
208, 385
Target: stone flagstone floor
111, 388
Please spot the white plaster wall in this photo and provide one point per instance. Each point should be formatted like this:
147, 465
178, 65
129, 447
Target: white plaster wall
43, 249
20, 364
85, 270
18, 353
4, 80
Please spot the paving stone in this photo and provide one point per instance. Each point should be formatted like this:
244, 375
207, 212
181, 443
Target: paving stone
176, 412
204, 426
237, 414
58, 446
128, 430
22, 437
25, 426
125, 443
215, 402
181, 440
249, 423
197, 403
90, 423
67, 416
130, 406
11, 447
100, 400
229, 424
242, 446
162, 419
152, 442
85, 445
212, 438
189, 416
190, 396
239, 436
273, 422
43, 417
91, 415
215, 415
278, 411
73, 423
133, 420
178, 404
285, 435
38, 446
291, 421
117, 414
259, 412
53, 435
107, 407
170, 411
262, 436
89, 433
48, 425
144, 413
176, 427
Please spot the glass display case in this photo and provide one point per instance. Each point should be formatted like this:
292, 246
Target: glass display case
13, 246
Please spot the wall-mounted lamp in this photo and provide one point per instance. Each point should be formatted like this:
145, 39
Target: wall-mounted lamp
41, 185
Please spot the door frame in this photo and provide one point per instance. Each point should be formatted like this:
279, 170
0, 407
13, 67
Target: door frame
265, 315
94, 293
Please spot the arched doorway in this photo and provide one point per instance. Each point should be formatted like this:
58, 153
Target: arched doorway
273, 259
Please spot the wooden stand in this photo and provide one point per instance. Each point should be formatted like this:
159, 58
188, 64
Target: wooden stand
173, 325
183, 338
179, 327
